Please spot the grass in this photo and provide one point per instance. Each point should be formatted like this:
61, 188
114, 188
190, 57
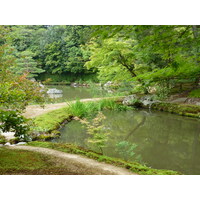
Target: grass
132, 166
195, 93
53, 120
26, 162
80, 109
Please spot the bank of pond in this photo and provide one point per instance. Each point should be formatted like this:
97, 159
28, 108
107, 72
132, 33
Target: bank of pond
155, 139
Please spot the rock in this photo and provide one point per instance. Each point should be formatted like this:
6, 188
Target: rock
33, 79
148, 100
41, 85
180, 100
7, 144
151, 90
8, 135
74, 84
130, 100
21, 143
108, 84
54, 91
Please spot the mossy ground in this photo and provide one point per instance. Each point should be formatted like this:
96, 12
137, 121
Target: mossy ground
28, 163
132, 166
181, 109
195, 93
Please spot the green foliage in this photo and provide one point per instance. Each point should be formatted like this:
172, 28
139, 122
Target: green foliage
26, 64
195, 93
97, 131
12, 121
114, 59
158, 53
81, 109
2, 139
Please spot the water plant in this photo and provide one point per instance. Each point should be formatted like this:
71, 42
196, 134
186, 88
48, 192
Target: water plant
81, 109
97, 131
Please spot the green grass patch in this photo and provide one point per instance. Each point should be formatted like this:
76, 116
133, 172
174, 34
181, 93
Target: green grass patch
132, 166
14, 161
195, 93
53, 120
86, 109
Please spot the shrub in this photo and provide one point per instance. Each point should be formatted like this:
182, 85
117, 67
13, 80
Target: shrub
13, 121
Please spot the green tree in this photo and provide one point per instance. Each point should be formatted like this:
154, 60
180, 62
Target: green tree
26, 64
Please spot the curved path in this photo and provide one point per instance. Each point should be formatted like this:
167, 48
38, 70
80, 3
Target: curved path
36, 110
77, 164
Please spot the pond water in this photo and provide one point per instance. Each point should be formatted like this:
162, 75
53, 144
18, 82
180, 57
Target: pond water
73, 93
158, 139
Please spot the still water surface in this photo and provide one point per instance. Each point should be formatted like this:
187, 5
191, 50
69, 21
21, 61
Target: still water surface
162, 140
73, 93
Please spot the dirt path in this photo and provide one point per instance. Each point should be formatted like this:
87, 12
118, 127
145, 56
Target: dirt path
35, 110
77, 164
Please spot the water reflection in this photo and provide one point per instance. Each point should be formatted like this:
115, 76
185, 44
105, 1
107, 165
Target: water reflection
70, 93
55, 96
161, 140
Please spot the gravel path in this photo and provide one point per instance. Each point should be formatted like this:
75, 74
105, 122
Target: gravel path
77, 164
36, 110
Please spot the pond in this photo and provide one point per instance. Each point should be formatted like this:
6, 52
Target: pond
158, 139
73, 93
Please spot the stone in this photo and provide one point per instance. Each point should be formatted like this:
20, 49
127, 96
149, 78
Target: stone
180, 100
108, 84
148, 100
74, 84
8, 135
129, 100
21, 143
7, 144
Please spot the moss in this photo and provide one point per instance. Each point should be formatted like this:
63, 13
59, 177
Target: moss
2, 139
132, 166
14, 161
180, 109
52, 120
195, 93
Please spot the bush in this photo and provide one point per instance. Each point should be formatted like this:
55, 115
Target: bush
13, 121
